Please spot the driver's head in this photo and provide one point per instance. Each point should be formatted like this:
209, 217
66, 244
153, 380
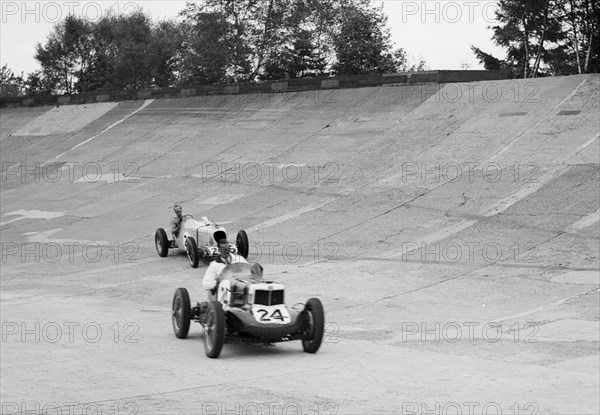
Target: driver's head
224, 249
177, 209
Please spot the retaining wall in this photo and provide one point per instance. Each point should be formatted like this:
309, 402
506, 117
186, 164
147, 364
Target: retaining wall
280, 86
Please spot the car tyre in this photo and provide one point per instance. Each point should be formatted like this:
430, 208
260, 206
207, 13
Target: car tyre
161, 242
181, 313
214, 329
191, 249
315, 325
242, 244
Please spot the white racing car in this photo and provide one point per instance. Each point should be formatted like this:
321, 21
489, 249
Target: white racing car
250, 309
199, 238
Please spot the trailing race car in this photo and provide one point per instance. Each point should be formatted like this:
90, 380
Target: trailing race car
199, 239
248, 309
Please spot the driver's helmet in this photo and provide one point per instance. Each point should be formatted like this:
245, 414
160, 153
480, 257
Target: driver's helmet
177, 209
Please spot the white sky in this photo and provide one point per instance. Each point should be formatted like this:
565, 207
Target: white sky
440, 32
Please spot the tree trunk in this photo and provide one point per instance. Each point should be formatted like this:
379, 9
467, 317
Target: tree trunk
263, 46
586, 67
538, 58
526, 47
590, 15
574, 24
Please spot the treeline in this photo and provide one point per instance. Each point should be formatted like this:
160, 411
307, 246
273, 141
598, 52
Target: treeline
546, 37
213, 42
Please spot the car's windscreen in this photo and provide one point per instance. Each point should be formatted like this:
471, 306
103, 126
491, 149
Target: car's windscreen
237, 270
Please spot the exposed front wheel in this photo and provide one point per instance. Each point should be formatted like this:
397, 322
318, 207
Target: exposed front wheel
181, 313
314, 326
242, 244
214, 329
192, 252
161, 242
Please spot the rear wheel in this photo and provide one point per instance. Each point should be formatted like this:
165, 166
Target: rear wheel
315, 325
214, 329
181, 313
161, 242
192, 252
242, 244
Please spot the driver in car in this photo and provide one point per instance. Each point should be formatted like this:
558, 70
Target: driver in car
176, 221
214, 269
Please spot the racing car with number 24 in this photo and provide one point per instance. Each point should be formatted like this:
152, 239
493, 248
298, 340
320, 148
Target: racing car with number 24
249, 309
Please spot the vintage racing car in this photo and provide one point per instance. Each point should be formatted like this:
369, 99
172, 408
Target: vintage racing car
250, 309
199, 238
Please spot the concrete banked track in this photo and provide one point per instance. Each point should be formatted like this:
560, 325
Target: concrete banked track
451, 232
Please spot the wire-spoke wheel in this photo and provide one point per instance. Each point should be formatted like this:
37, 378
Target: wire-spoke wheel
214, 329
161, 242
181, 313
315, 325
191, 248
242, 244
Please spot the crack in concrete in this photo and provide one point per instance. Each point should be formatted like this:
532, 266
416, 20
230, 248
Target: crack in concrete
408, 292
541, 308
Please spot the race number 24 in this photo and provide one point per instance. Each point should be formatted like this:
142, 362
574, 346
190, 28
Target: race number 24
275, 315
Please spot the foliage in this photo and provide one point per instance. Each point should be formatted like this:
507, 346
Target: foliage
10, 85
489, 62
17, 85
274, 39
361, 39
546, 37
214, 41
124, 52
206, 52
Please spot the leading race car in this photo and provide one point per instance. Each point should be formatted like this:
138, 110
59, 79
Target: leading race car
250, 309
199, 238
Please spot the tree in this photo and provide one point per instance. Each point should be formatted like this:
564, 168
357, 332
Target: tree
398, 61
165, 46
489, 62
132, 63
219, 41
301, 58
319, 18
10, 85
362, 39
125, 52
274, 39
302, 43
546, 37
581, 19
37, 84
234, 25
205, 55
65, 54
305, 57
524, 28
